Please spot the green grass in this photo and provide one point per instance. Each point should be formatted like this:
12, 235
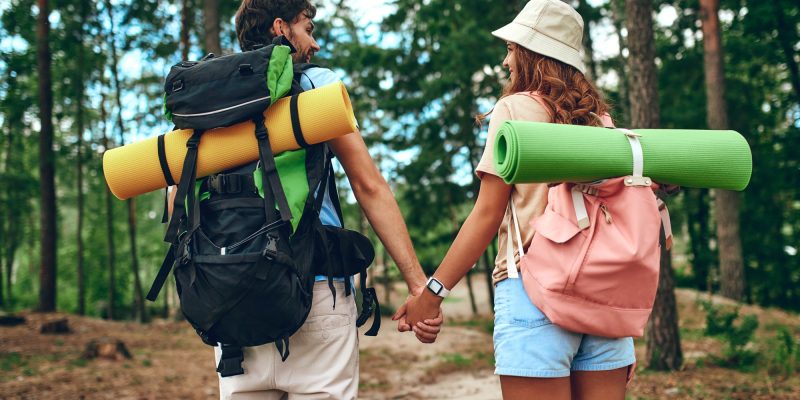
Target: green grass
485, 325
9, 361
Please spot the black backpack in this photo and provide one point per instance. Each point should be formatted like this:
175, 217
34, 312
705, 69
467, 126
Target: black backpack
245, 270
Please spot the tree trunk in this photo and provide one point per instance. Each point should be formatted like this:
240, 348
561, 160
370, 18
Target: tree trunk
211, 25
663, 337
585, 10
726, 202
47, 184
643, 88
79, 133
112, 262
137, 295
186, 8
618, 19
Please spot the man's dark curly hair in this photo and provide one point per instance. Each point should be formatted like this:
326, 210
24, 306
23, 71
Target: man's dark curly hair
254, 19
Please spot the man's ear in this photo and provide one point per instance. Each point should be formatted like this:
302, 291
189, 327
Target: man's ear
276, 28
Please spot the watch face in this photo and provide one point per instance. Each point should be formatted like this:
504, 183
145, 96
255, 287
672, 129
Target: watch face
435, 286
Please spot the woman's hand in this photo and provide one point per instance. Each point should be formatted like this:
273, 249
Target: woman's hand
426, 329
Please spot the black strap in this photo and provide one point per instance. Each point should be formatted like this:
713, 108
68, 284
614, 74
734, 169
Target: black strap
369, 306
283, 348
230, 363
334, 195
185, 186
298, 131
327, 171
165, 215
193, 203
231, 184
162, 159
270, 180
163, 273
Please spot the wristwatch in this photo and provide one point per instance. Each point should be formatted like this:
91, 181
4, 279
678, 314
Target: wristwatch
437, 287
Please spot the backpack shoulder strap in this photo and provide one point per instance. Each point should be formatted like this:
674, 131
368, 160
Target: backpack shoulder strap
332, 191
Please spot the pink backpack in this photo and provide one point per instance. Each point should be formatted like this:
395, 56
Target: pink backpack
593, 263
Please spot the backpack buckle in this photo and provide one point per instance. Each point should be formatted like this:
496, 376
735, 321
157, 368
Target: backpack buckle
230, 362
225, 184
271, 248
638, 181
184, 255
215, 184
232, 184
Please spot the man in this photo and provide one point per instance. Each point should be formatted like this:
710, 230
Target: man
324, 357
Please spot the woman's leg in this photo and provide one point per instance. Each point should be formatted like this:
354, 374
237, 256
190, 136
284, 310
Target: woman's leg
532, 356
520, 388
598, 385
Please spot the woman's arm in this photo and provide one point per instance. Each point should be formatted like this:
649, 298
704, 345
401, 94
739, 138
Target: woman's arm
478, 230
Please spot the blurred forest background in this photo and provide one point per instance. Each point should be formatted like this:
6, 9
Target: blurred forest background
78, 77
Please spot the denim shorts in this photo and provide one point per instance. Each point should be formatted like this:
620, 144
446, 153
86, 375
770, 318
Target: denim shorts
527, 344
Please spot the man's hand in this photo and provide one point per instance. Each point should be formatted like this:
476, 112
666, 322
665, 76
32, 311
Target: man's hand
421, 315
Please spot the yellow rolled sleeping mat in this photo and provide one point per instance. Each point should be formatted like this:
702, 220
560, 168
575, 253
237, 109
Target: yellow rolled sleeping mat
325, 113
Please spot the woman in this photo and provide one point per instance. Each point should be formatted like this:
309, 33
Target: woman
534, 358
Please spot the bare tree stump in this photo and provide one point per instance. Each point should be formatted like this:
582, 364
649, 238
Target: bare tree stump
55, 327
108, 348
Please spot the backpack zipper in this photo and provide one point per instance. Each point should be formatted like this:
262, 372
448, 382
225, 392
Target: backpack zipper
222, 109
575, 270
265, 228
605, 211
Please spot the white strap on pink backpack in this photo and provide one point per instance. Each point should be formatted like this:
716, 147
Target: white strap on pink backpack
511, 262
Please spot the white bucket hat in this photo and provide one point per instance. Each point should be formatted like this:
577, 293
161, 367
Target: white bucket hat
548, 27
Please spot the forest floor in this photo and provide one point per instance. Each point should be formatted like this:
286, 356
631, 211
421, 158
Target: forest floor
169, 362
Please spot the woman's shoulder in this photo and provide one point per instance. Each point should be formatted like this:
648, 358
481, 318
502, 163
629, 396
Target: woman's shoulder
523, 106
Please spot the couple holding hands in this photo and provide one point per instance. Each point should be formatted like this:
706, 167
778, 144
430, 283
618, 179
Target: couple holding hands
534, 358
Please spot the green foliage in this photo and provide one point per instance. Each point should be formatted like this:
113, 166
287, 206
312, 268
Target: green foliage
459, 361
782, 354
763, 106
11, 361
485, 325
721, 322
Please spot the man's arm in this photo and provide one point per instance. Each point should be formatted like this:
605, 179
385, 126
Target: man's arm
377, 200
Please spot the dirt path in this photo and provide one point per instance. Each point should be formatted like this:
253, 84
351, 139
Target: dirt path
169, 362
460, 365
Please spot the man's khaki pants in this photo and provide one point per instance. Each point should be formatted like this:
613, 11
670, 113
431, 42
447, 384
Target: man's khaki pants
323, 359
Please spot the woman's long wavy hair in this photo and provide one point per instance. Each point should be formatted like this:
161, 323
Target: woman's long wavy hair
569, 95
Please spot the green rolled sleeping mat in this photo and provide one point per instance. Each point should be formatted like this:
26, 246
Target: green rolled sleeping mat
535, 152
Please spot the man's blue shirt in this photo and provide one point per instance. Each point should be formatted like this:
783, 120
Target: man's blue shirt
313, 78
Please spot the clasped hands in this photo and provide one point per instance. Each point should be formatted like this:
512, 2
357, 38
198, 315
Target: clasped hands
422, 314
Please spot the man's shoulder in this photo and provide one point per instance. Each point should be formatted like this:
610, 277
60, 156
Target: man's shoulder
319, 76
